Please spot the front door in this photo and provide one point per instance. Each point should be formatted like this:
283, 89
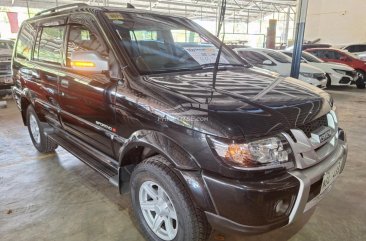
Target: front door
86, 98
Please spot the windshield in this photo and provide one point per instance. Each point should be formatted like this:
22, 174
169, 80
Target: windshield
311, 58
277, 56
158, 43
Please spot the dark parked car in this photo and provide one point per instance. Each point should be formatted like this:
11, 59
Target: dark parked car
6, 80
119, 88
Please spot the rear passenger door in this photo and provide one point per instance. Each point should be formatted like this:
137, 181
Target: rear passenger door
44, 69
87, 98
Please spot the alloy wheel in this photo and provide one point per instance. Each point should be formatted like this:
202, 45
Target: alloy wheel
158, 210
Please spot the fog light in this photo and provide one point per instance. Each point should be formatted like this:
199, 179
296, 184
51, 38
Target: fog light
282, 206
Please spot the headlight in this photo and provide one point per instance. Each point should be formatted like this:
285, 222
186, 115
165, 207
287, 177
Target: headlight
308, 75
265, 153
340, 71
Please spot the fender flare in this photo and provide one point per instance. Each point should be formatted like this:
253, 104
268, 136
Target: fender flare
163, 145
185, 165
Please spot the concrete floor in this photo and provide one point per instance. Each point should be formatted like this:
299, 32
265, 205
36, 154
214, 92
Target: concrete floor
56, 197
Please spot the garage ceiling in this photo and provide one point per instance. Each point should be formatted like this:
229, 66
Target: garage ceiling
237, 10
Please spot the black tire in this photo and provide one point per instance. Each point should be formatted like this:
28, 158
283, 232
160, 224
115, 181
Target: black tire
191, 222
360, 83
45, 144
329, 81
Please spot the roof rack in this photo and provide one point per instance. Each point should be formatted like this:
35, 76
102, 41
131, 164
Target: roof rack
63, 7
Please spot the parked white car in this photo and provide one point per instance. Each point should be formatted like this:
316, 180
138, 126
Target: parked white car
337, 73
278, 62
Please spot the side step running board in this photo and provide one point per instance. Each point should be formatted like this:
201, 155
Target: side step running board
84, 154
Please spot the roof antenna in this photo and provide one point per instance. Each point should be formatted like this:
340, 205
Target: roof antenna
129, 5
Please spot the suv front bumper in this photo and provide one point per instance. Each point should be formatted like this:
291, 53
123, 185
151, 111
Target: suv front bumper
243, 207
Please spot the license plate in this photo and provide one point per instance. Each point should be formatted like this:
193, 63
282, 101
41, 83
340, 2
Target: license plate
331, 175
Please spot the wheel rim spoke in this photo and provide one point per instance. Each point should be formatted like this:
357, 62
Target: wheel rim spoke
158, 210
157, 223
169, 227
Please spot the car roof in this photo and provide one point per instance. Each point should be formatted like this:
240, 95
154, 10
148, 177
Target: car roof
335, 49
91, 9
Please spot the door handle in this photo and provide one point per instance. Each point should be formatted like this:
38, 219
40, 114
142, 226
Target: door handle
65, 83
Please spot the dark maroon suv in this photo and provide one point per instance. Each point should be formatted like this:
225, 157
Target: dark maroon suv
134, 95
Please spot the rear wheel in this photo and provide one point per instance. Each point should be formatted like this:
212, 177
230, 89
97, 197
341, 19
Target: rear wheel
162, 205
36, 131
360, 83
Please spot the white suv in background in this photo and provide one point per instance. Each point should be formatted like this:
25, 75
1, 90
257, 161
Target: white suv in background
337, 74
357, 49
278, 62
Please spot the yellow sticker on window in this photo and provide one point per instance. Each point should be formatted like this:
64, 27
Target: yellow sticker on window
114, 16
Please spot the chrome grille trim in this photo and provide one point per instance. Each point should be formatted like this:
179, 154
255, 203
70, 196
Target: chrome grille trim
310, 151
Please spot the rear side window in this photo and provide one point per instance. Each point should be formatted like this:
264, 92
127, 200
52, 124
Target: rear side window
49, 44
25, 42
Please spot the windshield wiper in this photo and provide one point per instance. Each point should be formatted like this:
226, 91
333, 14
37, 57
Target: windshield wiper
220, 64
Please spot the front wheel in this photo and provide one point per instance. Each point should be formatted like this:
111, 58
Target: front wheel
329, 81
360, 83
162, 205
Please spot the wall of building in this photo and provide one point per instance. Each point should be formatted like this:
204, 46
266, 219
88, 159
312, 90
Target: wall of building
336, 21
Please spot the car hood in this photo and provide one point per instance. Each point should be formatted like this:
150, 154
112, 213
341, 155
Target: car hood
307, 68
245, 102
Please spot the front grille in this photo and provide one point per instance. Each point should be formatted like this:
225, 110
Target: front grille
313, 142
313, 125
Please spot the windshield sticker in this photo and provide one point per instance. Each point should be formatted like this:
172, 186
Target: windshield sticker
114, 16
205, 55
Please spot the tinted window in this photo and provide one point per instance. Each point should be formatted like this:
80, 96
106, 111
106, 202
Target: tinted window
316, 53
83, 39
49, 44
331, 54
25, 42
253, 57
277, 56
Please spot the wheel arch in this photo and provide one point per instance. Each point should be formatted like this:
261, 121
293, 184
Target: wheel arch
144, 144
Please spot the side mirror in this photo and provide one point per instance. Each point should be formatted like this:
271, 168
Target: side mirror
267, 62
88, 61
